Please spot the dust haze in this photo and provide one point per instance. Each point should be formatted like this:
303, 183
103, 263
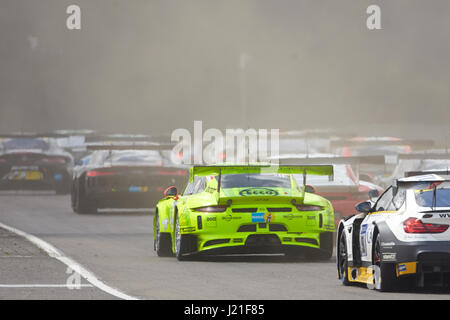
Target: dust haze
153, 66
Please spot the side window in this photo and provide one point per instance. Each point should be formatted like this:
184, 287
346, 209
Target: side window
189, 189
399, 199
384, 201
199, 185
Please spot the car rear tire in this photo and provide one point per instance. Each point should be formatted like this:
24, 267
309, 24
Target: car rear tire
81, 205
385, 277
342, 259
162, 242
184, 244
326, 246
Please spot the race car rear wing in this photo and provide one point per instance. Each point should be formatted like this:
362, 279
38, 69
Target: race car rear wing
445, 172
424, 156
215, 170
324, 170
352, 160
127, 145
418, 143
31, 135
412, 181
112, 137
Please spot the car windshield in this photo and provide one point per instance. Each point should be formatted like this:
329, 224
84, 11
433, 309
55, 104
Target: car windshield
255, 181
425, 195
22, 143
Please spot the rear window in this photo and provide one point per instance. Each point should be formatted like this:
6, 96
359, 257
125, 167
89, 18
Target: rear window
25, 144
255, 181
150, 156
425, 197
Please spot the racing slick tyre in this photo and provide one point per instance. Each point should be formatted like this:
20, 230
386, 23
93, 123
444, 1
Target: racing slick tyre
81, 204
326, 246
162, 242
385, 278
184, 244
342, 259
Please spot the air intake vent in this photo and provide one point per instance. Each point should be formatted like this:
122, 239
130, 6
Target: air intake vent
277, 227
279, 209
215, 242
247, 228
239, 210
307, 240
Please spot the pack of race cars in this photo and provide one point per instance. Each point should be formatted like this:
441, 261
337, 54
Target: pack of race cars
385, 214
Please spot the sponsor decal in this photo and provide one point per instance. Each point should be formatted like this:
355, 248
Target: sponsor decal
389, 256
210, 190
137, 189
387, 244
211, 221
369, 235
291, 216
258, 192
444, 215
258, 217
229, 217
401, 267
269, 217
363, 228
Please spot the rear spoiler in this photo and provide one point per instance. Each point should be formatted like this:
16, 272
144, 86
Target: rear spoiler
196, 171
382, 142
427, 172
117, 137
412, 181
126, 145
18, 135
352, 160
424, 156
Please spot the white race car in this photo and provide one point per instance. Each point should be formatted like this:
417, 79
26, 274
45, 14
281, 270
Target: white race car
402, 238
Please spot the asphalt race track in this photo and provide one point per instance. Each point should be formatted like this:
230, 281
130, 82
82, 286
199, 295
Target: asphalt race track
117, 246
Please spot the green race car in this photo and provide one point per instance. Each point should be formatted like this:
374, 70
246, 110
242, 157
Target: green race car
245, 209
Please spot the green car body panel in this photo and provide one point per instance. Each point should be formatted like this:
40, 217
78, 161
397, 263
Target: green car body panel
288, 216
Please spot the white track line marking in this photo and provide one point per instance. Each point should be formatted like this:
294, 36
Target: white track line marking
72, 264
46, 286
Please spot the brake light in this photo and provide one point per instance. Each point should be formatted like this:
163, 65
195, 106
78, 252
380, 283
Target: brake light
308, 207
211, 209
414, 225
100, 173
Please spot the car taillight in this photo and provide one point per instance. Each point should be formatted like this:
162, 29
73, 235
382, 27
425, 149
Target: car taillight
308, 207
100, 173
414, 225
211, 209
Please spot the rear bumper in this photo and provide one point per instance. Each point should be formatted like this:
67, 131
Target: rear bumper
428, 262
245, 243
54, 182
123, 199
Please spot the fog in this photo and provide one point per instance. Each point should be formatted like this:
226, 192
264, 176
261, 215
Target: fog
153, 66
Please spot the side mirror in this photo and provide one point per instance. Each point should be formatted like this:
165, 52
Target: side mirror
310, 189
78, 162
170, 192
364, 207
373, 194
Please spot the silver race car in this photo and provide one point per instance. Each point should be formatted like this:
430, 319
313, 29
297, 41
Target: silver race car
402, 239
